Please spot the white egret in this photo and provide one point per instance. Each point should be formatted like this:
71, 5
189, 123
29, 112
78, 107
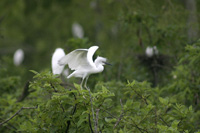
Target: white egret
93, 4
81, 61
155, 50
66, 72
57, 55
18, 57
150, 51
77, 30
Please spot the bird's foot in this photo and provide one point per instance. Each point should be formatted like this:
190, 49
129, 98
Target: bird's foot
81, 87
87, 88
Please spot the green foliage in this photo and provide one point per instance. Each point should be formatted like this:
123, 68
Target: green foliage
137, 108
162, 92
186, 83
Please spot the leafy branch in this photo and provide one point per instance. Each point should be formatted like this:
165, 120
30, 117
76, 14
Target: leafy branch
121, 115
145, 100
17, 114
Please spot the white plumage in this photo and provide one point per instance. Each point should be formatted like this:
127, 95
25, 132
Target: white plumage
57, 55
66, 72
81, 61
150, 51
18, 57
77, 30
155, 50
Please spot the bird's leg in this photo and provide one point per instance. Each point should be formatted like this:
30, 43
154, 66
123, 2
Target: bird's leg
82, 87
95, 123
86, 82
82, 83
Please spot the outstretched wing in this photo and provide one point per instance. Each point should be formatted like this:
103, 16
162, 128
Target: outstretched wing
79, 58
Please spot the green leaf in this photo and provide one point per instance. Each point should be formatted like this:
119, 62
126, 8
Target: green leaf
190, 108
175, 123
34, 72
164, 101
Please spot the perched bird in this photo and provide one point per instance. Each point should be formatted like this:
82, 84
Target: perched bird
80, 60
66, 72
155, 50
150, 51
77, 30
18, 57
57, 55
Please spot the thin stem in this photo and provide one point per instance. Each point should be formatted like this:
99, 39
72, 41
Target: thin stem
10, 125
141, 96
121, 115
92, 110
97, 117
109, 113
74, 110
90, 123
17, 114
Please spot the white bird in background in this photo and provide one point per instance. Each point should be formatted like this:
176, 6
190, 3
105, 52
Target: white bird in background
18, 57
93, 4
57, 55
77, 30
80, 60
150, 51
66, 72
155, 50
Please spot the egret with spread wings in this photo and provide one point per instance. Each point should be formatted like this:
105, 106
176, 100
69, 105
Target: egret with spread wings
81, 61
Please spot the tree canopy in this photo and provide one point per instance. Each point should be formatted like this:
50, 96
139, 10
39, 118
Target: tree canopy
138, 93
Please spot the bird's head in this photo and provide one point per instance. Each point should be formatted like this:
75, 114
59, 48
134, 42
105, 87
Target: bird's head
101, 60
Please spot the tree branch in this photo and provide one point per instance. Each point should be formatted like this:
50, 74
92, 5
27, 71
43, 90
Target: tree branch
17, 114
121, 115
25, 92
140, 96
10, 125
109, 113
95, 124
148, 104
164, 121
90, 123
74, 110
97, 117
53, 87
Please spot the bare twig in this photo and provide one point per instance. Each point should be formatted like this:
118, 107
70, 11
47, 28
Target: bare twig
161, 66
148, 104
164, 121
156, 120
67, 85
139, 128
90, 123
17, 114
25, 92
61, 106
97, 117
121, 115
109, 113
141, 97
53, 87
95, 126
9, 125
74, 110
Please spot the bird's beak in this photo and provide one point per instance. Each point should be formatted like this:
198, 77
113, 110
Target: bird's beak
108, 63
